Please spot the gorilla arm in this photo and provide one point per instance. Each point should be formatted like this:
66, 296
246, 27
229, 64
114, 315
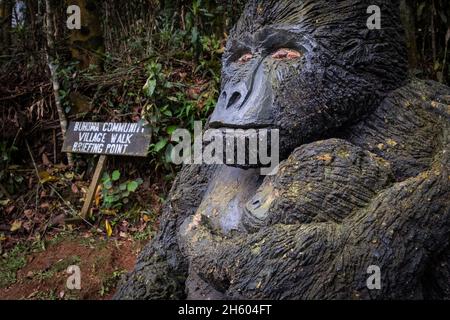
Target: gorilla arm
396, 231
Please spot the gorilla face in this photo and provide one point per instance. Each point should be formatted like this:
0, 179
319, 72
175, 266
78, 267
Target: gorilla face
307, 68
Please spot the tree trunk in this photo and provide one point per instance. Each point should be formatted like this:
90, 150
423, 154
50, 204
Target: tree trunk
408, 16
51, 56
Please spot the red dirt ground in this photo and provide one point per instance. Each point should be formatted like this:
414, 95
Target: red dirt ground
101, 263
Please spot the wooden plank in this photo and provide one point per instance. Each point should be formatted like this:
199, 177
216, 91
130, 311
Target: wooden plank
109, 138
93, 187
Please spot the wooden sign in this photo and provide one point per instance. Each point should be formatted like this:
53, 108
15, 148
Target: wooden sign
105, 138
108, 138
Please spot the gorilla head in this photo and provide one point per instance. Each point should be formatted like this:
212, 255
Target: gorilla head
308, 67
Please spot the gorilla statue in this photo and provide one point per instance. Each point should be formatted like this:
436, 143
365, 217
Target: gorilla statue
364, 181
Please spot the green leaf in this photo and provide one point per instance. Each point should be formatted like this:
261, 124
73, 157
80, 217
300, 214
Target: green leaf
116, 175
149, 87
167, 113
132, 186
171, 129
107, 184
123, 187
160, 145
194, 35
108, 199
105, 177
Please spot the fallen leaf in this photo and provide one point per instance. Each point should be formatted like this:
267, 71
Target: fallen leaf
9, 209
108, 228
146, 218
123, 235
58, 220
98, 195
109, 212
16, 225
28, 213
74, 188
69, 175
45, 177
45, 205
27, 226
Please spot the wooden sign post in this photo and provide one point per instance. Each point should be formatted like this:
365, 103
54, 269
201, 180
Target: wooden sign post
93, 187
105, 138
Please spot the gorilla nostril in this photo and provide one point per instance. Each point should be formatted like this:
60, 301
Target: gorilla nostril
235, 97
256, 203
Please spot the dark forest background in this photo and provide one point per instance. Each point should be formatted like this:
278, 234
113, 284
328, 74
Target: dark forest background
152, 59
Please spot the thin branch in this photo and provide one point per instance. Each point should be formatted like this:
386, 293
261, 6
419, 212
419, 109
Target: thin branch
52, 65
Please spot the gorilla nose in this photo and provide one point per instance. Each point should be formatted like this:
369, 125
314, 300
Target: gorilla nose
232, 97
236, 107
235, 97
246, 103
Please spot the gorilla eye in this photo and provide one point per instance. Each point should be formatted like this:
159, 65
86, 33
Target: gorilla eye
285, 53
245, 58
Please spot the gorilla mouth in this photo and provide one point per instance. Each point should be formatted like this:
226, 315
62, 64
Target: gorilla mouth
244, 130
245, 148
